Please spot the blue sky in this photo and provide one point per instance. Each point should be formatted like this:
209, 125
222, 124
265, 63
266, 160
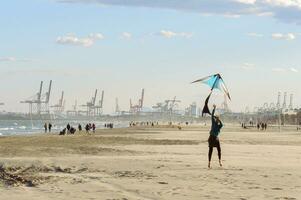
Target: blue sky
159, 45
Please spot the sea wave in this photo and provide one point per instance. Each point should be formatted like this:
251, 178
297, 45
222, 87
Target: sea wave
6, 129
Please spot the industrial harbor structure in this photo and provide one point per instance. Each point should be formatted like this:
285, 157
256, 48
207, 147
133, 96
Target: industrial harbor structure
166, 110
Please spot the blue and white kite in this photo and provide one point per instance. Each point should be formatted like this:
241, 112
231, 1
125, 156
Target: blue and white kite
215, 82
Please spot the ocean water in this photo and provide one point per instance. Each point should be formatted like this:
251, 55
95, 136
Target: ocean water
22, 127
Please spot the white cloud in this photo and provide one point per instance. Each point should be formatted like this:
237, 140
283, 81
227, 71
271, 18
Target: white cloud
126, 35
97, 36
246, 1
248, 66
265, 14
8, 59
284, 10
284, 3
71, 39
171, 34
13, 59
281, 36
167, 34
292, 69
57, 71
231, 15
279, 70
255, 34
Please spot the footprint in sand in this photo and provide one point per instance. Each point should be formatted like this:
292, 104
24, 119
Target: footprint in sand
276, 188
82, 170
255, 187
176, 188
162, 182
248, 183
118, 199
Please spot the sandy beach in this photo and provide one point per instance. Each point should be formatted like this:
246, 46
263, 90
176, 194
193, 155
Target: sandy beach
151, 163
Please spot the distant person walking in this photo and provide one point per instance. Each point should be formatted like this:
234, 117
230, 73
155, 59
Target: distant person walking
87, 128
93, 127
213, 140
80, 128
45, 127
49, 127
68, 128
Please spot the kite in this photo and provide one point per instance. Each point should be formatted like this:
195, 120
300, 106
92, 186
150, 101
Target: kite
215, 82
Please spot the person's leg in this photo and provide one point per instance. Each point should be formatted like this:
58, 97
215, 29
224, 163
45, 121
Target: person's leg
209, 156
219, 151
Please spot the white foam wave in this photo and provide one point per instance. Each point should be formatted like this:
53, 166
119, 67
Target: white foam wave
6, 129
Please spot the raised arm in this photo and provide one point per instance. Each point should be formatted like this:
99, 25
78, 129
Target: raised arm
212, 114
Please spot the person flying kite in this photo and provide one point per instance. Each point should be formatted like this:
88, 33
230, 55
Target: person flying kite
215, 82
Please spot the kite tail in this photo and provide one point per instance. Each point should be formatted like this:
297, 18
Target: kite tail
206, 108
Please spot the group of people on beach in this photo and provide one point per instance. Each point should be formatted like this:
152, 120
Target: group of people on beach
260, 126
68, 130
71, 130
143, 123
47, 127
109, 125
89, 127
154, 123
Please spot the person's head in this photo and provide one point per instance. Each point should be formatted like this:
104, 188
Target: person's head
217, 118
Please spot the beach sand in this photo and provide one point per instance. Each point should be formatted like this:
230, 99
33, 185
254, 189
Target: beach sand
151, 163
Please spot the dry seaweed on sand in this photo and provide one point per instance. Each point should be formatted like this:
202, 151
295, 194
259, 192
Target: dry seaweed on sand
10, 179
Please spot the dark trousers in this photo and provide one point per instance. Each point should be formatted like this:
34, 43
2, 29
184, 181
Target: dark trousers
218, 151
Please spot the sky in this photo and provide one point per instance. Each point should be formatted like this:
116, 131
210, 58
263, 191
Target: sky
161, 45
